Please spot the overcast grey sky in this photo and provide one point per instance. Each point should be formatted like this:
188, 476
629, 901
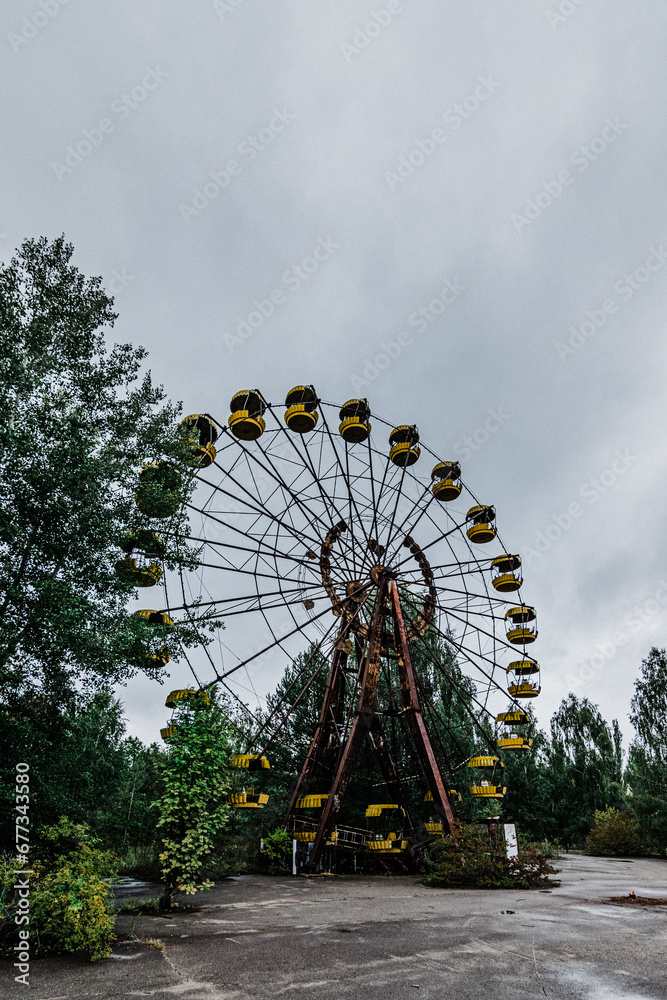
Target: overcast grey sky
488, 182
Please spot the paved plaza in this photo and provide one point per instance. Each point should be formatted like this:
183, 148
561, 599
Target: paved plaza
384, 938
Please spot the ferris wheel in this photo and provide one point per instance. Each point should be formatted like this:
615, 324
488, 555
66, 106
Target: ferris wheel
325, 530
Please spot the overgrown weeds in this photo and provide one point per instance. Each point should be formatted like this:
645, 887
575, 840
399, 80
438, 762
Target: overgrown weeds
477, 860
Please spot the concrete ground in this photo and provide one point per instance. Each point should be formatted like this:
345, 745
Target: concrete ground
259, 938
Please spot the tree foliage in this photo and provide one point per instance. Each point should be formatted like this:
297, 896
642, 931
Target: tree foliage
585, 771
76, 426
615, 832
192, 809
75, 752
647, 765
69, 896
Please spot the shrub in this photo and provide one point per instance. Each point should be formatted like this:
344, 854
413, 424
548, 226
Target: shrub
479, 861
615, 833
550, 849
69, 897
276, 857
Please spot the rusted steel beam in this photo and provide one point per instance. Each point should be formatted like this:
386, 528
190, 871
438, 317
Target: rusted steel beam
370, 672
331, 715
414, 715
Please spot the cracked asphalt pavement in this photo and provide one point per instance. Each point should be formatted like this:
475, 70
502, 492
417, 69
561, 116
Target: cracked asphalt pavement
259, 938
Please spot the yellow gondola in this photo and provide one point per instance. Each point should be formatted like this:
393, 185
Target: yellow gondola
434, 825
446, 478
482, 528
301, 415
247, 417
512, 740
519, 685
355, 426
404, 448
247, 799
182, 693
142, 550
521, 625
376, 809
167, 733
505, 575
451, 794
202, 433
309, 836
488, 788
513, 718
390, 843
162, 655
154, 617
311, 801
158, 488
514, 743
251, 761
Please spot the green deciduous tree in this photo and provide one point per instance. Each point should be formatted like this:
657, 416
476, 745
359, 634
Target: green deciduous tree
585, 771
615, 832
76, 426
528, 801
192, 809
74, 749
647, 765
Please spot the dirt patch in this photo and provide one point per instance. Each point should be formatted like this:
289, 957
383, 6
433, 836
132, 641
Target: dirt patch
632, 898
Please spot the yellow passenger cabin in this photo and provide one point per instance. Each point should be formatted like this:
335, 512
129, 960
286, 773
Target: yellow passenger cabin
482, 524
301, 415
404, 445
355, 425
446, 478
246, 421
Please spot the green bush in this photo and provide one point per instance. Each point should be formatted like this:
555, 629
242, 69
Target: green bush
69, 897
276, 857
614, 833
550, 849
479, 861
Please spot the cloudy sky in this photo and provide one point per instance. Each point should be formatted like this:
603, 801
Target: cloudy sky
484, 186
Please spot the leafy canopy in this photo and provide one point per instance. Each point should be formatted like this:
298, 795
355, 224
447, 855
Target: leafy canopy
77, 424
